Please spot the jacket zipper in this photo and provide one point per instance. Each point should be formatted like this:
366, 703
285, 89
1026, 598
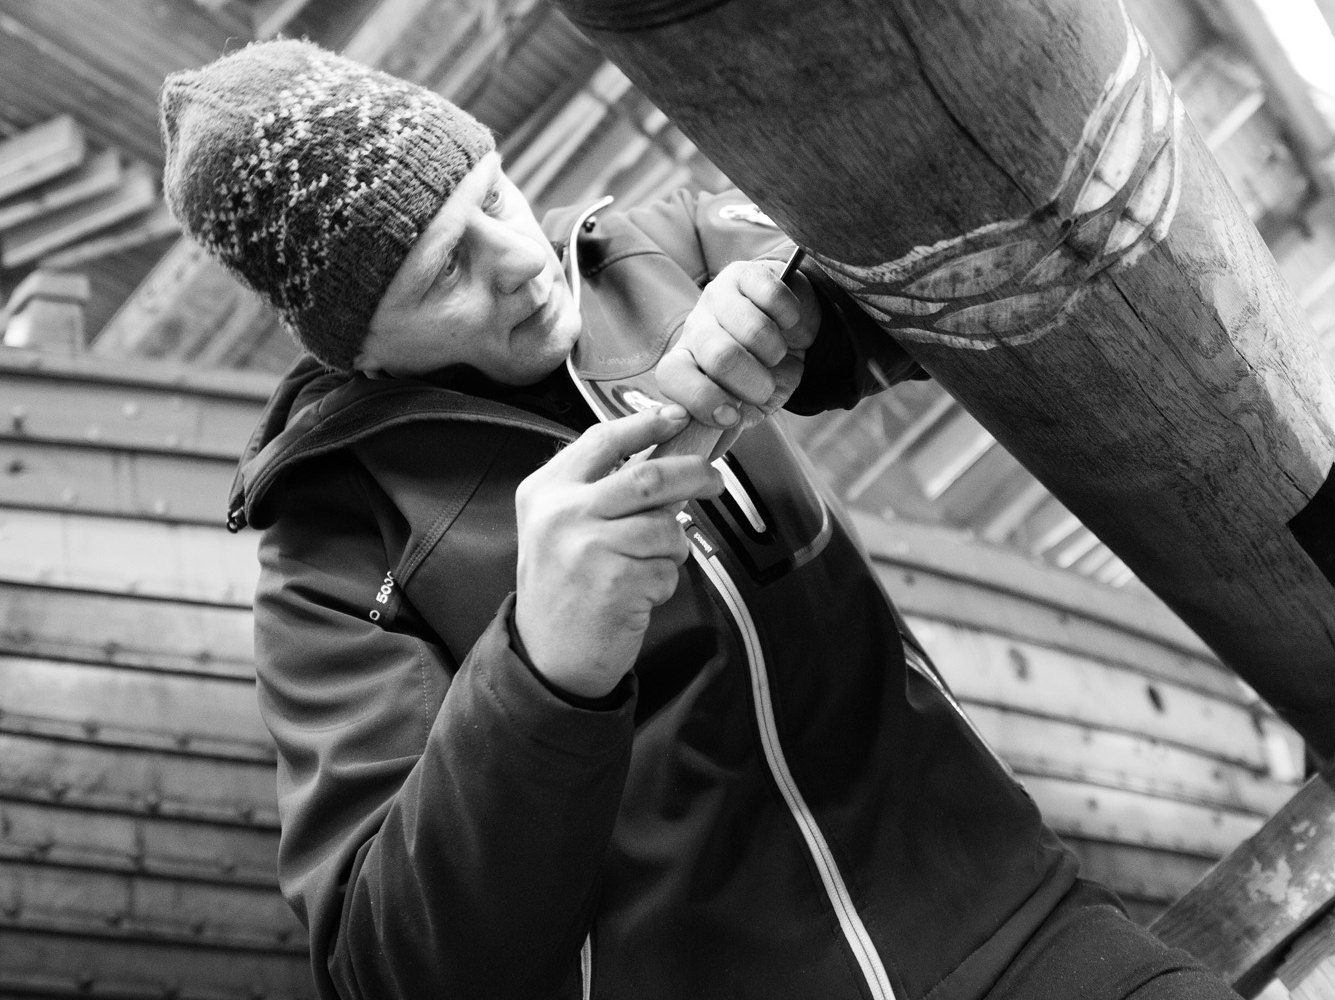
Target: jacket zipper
705, 554
586, 967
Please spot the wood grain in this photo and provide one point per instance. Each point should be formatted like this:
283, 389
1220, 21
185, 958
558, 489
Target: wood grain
1174, 400
1241, 915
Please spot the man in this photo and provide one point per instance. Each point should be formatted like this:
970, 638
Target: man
569, 721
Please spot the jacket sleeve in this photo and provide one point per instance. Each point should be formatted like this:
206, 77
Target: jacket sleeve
852, 356
442, 825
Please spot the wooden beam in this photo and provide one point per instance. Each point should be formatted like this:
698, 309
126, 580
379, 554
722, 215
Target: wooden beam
108, 555
132, 632
1242, 917
157, 224
98, 174
139, 405
137, 192
45, 313
39, 154
1308, 971
1013, 190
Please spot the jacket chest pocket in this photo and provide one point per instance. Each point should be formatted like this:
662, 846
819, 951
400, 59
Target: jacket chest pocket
771, 516
463, 574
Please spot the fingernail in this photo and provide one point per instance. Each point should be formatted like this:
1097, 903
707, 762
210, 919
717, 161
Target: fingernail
674, 412
726, 414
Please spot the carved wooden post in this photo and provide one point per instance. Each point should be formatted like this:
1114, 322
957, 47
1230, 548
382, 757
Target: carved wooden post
1013, 190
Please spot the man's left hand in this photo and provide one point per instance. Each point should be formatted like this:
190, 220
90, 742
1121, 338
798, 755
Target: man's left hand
740, 354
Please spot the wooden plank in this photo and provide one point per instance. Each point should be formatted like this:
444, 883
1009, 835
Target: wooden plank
46, 285
957, 555
1019, 197
1145, 874
157, 224
117, 556
126, 631
1308, 971
985, 668
56, 966
107, 841
137, 192
40, 153
1120, 816
138, 739
144, 374
1043, 747
128, 781
93, 479
116, 697
924, 594
1253, 904
206, 914
98, 174
138, 416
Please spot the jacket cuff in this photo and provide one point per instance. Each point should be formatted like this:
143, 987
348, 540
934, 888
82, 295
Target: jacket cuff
611, 701
536, 710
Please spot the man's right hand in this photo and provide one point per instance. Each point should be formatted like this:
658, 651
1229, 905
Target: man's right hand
600, 547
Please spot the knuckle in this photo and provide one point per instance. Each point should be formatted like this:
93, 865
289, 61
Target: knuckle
724, 356
646, 479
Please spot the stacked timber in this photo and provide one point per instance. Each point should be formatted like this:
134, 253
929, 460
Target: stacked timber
138, 822
1148, 757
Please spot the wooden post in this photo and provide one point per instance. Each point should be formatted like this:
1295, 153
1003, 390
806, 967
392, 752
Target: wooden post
45, 312
1255, 905
1013, 190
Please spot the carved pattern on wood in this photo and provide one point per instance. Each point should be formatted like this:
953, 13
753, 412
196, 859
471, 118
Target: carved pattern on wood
1013, 281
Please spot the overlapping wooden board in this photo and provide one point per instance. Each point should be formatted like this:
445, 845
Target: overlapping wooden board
122, 556
1139, 749
137, 781
124, 482
125, 630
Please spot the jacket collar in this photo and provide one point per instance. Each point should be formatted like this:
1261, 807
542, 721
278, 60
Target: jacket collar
315, 410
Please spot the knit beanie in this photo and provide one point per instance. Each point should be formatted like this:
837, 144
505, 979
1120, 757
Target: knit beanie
310, 176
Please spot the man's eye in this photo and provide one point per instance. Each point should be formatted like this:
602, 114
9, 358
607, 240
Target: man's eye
448, 268
492, 201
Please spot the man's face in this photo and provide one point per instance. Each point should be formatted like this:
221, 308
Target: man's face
481, 287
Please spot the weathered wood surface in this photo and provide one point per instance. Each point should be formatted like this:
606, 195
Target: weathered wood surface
139, 405
1141, 750
130, 482
138, 811
1240, 917
39, 154
1013, 190
121, 556
1308, 971
122, 630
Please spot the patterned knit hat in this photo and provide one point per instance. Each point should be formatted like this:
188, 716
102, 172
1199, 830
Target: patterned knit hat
310, 177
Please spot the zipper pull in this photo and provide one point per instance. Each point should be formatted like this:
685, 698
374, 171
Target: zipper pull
236, 519
693, 532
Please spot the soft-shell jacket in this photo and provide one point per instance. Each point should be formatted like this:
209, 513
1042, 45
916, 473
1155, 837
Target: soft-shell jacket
781, 801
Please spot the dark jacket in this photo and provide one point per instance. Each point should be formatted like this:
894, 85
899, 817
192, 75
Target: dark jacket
777, 803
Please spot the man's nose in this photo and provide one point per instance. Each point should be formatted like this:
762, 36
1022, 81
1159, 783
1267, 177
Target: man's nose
517, 258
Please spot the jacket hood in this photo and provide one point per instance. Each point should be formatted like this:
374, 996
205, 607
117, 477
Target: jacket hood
316, 412
304, 385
